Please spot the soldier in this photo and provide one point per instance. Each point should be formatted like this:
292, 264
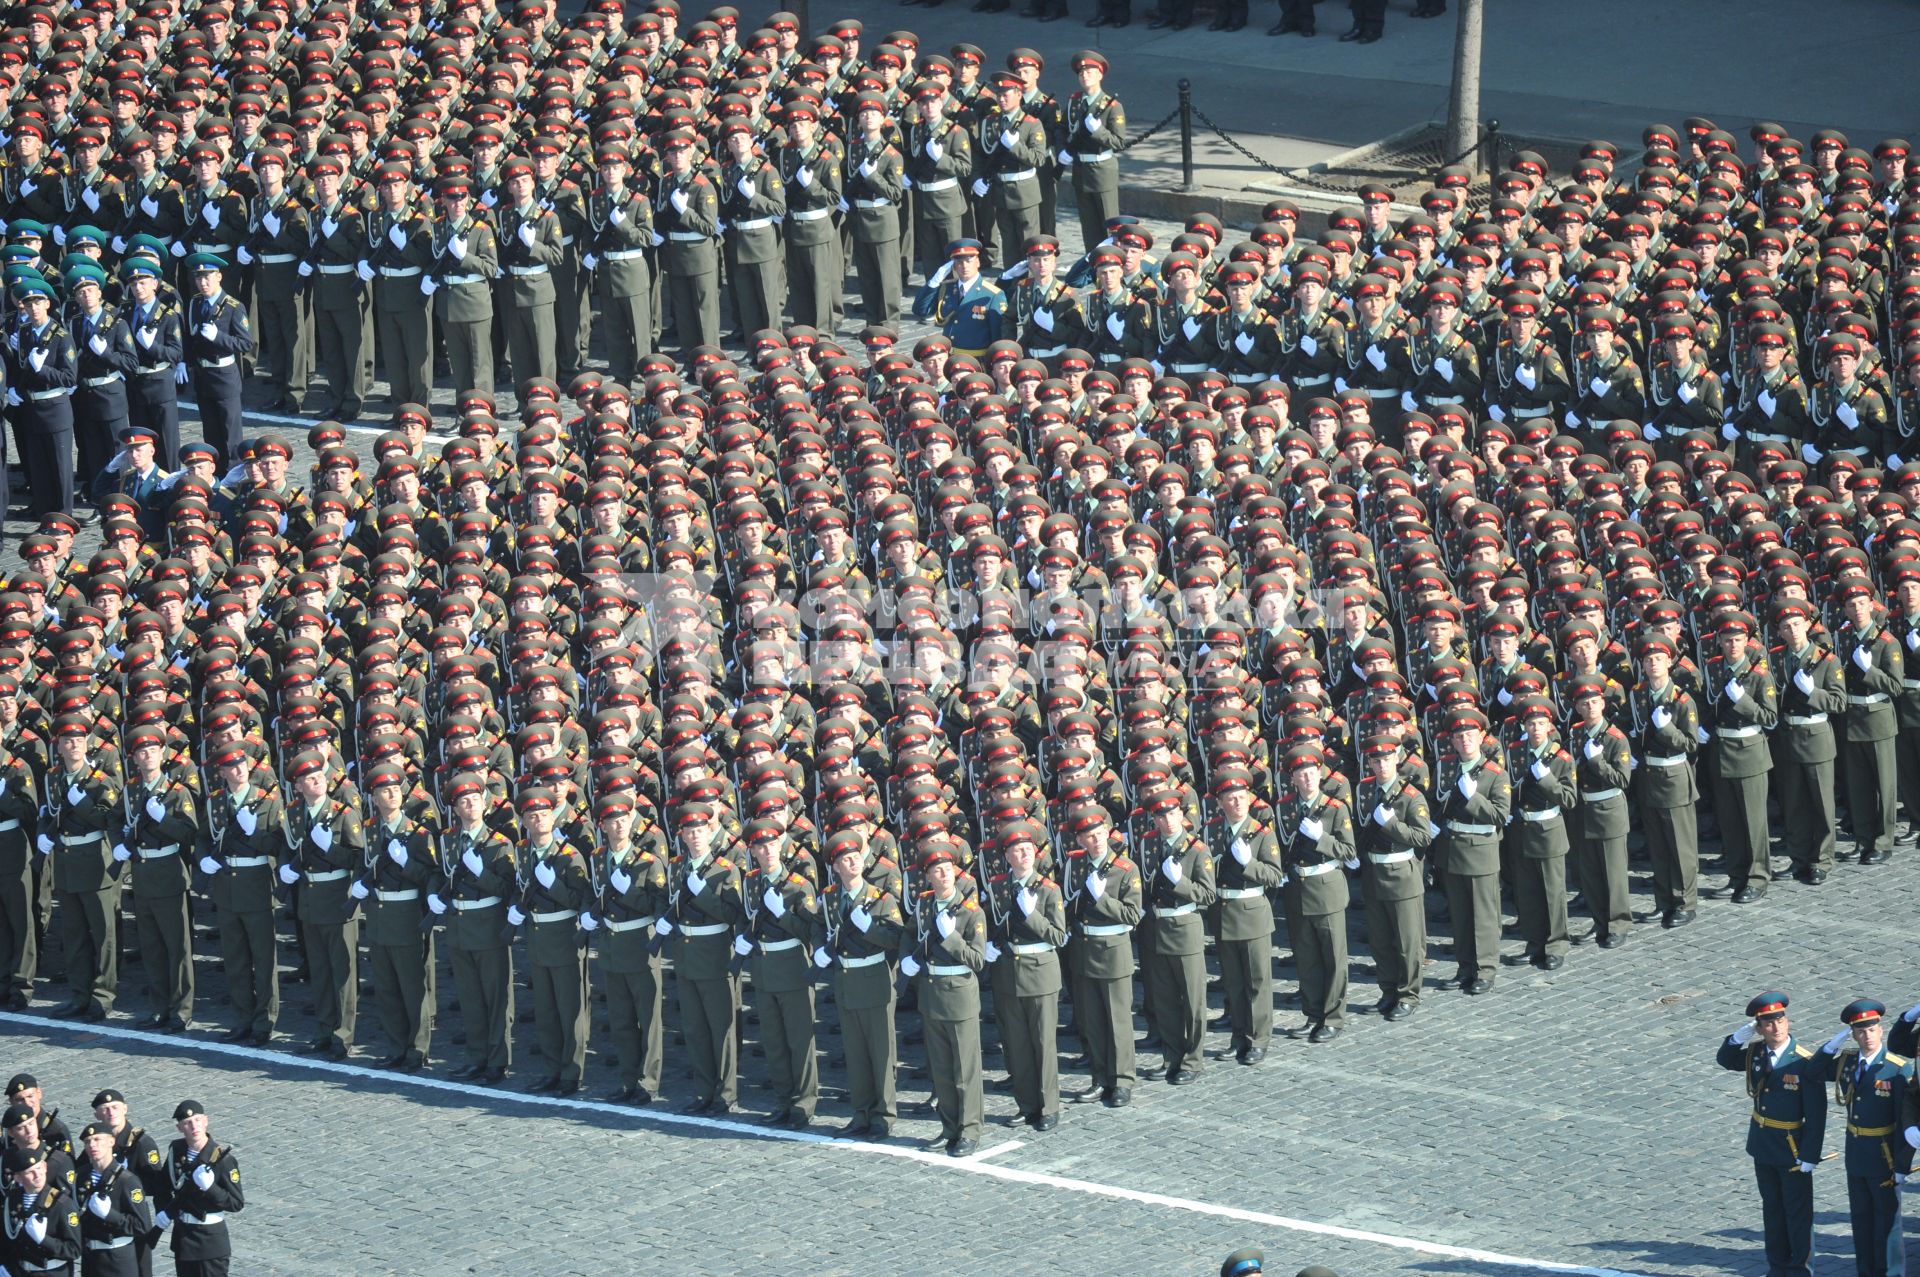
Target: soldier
1812, 691
1320, 842
1667, 723
477, 873
118, 1213
619, 255
1103, 910
161, 834
704, 909
336, 262
530, 250
1096, 127
153, 397
782, 914
1874, 1088
1848, 410
103, 347
1874, 665
812, 173
82, 803
278, 241
1475, 799
1607, 384
19, 812
1027, 924
1043, 314
1393, 833
39, 1217
1173, 949
216, 337
573, 310
1544, 789
861, 958
939, 157
213, 216
950, 951
326, 845
967, 305
1603, 763
1744, 703
1683, 392
554, 889
874, 172
1246, 337
1786, 1082
466, 257
753, 202
1246, 854
1529, 379
687, 212
633, 893
203, 1187
401, 867
246, 825
1010, 147
42, 368
400, 249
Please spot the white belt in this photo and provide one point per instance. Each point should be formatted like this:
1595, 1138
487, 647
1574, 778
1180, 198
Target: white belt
201, 1221
1446, 399
1532, 414
81, 840
689, 237
1022, 175
1877, 698
337, 270
873, 203
116, 1244
225, 361
1805, 720
65, 1265
1754, 436
943, 184
330, 875
1106, 929
485, 902
1314, 871
41, 396
1032, 950
399, 272
631, 924
1911, 684
1389, 857
706, 929
1321, 380
527, 270
848, 964
1738, 733
1540, 817
554, 915
1456, 827
277, 259
1599, 795
1176, 911
566, 241
8, 825
942, 968
1241, 893
247, 862
454, 281
1677, 430
1051, 352
94, 383
1248, 378
754, 224
154, 370
775, 946
160, 853
395, 897
1667, 760
1093, 159
1188, 368
624, 254
209, 248
810, 214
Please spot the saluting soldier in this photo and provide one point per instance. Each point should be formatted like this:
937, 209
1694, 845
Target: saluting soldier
939, 158
1544, 790
153, 395
633, 895
554, 889
753, 202
161, 835
1096, 130
1027, 924
686, 213
336, 263
964, 302
477, 873
1246, 856
1874, 665
203, 1187
1875, 1090
246, 826
859, 928
530, 249
465, 259
620, 256
949, 953
82, 804
1474, 797
278, 241
1173, 949
1787, 1084
705, 912
400, 249
811, 171
782, 915
326, 844
1394, 829
400, 867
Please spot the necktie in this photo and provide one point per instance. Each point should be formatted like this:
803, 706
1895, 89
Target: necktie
1763, 1068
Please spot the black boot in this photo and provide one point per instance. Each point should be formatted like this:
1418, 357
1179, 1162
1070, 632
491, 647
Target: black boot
1353, 36
1288, 22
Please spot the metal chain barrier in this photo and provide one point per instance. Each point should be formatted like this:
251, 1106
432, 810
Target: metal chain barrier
1223, 136
1138, 138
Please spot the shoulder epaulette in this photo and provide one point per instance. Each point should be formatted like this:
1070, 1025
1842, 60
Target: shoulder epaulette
1802, 1051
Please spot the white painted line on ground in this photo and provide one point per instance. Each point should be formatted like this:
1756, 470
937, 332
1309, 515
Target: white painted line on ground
974, 1165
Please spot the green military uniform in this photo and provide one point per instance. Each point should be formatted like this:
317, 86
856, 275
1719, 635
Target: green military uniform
782, 912
1096, 130
572, 299
1604, 389
1603, 770
1874, 666
1319, 843
1107, 904
1027, 924
1010, 151
81, 807
466, 257
554, 889
1787, 1128
1246, 856
161, 836
862, 964
247, 839
399, 948
1391, 833
1744, 705
686, 211
874, 190
632, 897
477, 874
815, 272
1544, 791
530, 251
1475, 798
753, 202
400, 250
1173, 949
704, 912
620, 255
939, 159
1666, 724
19, 814
326, 846
950, 954
1527, 383
1812, 692
341, 314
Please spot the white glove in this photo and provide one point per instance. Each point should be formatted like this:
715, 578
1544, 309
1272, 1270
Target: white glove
1505, 696
1735, 692
1593, 749
1444, 367
289, 875
1467, 786
823, 959
1767, 402
1026, 900
209, 866
1810, 454
1407, 402
156, 808
1116, 324
1572, 419
1309, 344
1044, 318
1728, 432
776, 904
944, 925
1894, 462
1598, 386
396, 236
1311, 829
803, 176
364, 270
244, 253
861, 919
458, 245
13, 398
1244, 343
1686, 392
247, 821
1847, 414
1540, 770
148, 335
1066, 158
1662, 718
1096, 885
935, 151
1377, 357
1801, 681
909, 966
91, 198
1832, 1045
527, 234
1381, 815
97, 344
679, 200
1170, 869
1808, 1168
211, 214
1651, 432
1009, 139
742, 946
161, 1220
866, 168
37, 357
1241, 852
271, 221
358, 890
203, 1176
471, 859
993, 952
1525, 375
543, 873
74, 796
304, 269
664, 927
37, 1228
591, 261
696, 884
1744, 1034
980, 187
150, 206
328, 226
514, 916
1912, 1134
323, 837
209, 331
588, 922
489, 198
1191, 327
429, 285
120, 853
1863, 658
621, 880
397, 851
99, 1205
1495, 411
436, 904
1351, 862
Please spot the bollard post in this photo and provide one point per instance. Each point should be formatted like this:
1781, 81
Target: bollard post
1186, 135
1490, 153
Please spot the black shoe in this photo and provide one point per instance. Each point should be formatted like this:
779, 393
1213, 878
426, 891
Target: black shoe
493, 1076
19, 1002
569, 1088
1323, 1033
70, 1011
858, 1128
1748, 894
881, 1131
413, 1062
1252, 1055
1049, 1122
621, 1094
175, 1024
1352, 36
468, 1072
545, 1086
778, 1117
696, 1106
153, 1021
94, 1014
963, 1148
799, 1119
336, 1050
1872, 857
1458, 980
1283, 26
1515, 959
1370, 37
719, 1108
1613, 939
1183, 1077
1678, 918
1098, 20
1151, 1072
1306, 29
392, 1061
1548, 962
263, 1037
1118, 1098
1479, 987
1402, 1010
316, 1047
939, 1144
1220, 21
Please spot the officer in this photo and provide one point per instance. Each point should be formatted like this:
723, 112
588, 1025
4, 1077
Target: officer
874, 172
1873, 664
402, 866
530, 249
39, 1217
338, 245
1475, 800
465, 259
705, 913
620, 255
326, 845
1392, 836
811, 172
782, 914
1247, 859
1027, 924
216, 337
248, 835
1180, 885
105, 354
1787, 1084
633, 894
861, 958
117, 1214
686, 211
950, 951
160, 835
278, 241
477, 873
400, 250
203, 1187
1744, 704
964, 302
753, 203
41, 370
82, 803
553, 891
1874, 1088
1666, 724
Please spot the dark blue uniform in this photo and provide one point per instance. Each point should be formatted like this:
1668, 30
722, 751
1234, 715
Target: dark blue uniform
970, 318
1786, 1130
1878, 1098
153, 397
41, 370
214, 361
104, 346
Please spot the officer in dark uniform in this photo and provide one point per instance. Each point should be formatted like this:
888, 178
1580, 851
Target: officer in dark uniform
117, 1213
1787, 1084
39, 1217
203, 1188
963, 301
153, 395
216, 338
42, 368
1875, 1089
